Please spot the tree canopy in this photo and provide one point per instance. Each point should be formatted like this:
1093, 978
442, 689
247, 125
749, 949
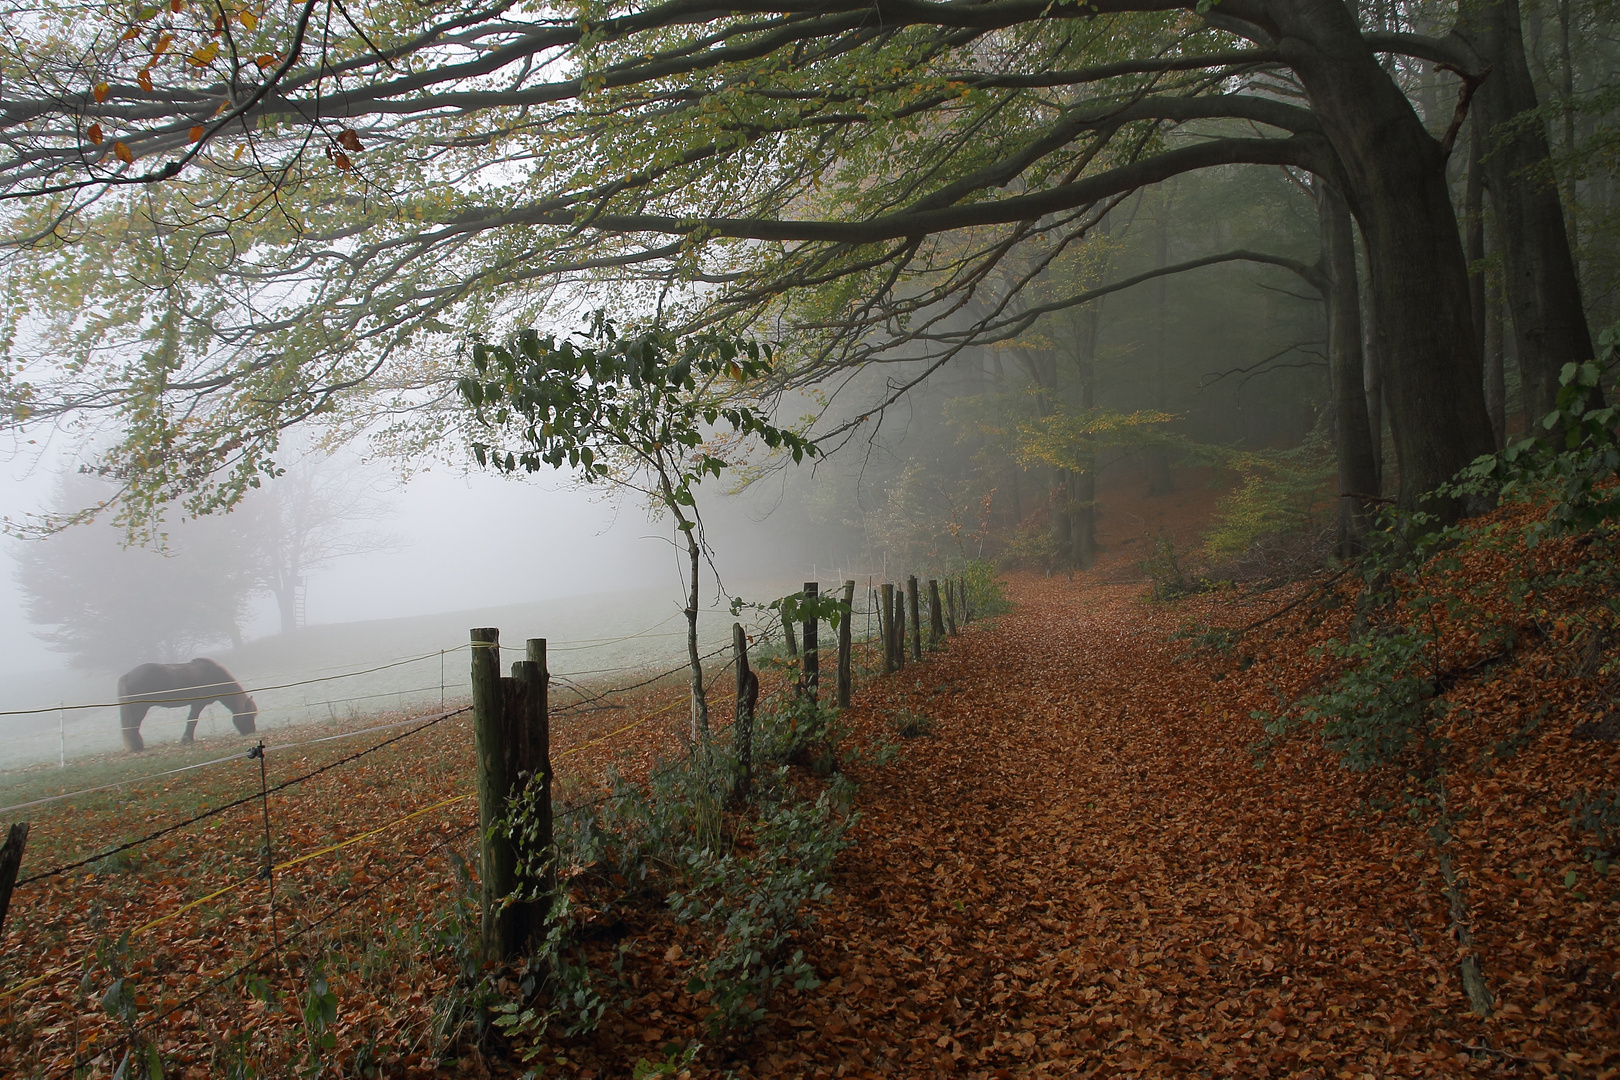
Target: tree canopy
230, 220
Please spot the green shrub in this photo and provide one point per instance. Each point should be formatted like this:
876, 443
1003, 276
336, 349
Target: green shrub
911, 725
747, 883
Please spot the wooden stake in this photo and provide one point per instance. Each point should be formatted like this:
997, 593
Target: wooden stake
936, 616
812, 642
497, 861
899, 629
950, 607
886, 608
540, 846
845, 639
916, 619
742, 732
10, 862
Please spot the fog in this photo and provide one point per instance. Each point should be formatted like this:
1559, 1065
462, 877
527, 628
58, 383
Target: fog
534, 557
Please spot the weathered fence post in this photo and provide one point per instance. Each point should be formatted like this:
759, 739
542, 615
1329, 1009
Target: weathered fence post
812, 642
540, 843
10, 861
916, 619
950, 607
845, 640
787, 632
899, 643
497, 862
742, 732
886, 625
936, 616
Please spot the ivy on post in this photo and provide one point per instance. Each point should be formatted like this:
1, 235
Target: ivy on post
812, 640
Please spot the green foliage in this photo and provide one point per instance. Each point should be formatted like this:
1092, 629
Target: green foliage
797, 608
1281, 492
911, 725
648, 403
1163, 568
1597, 815
752, 905
1383, 703
747, 883
986, 591
1069, 440
1221, 640
676, 1059
1569, 464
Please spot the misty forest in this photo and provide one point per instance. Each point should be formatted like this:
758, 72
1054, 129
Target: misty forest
976, 538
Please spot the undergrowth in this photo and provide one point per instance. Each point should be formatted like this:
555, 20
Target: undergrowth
742, 868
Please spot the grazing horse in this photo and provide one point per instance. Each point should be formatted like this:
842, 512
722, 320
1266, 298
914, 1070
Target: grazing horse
169, 686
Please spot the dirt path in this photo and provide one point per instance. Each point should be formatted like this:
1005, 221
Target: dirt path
1082, 872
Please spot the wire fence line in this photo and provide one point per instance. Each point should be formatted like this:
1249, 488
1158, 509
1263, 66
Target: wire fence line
590, 699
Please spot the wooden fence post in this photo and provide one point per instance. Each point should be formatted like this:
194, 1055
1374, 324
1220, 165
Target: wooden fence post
936, 616
845, 641
787, 632
916, 619
540, 844
812, 642
886, 625
899, 623
497, 861
10, 862
742, 732
950, 607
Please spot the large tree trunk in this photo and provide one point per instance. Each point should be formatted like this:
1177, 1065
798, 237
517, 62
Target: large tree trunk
1353, 446
1542, 286
1395, 181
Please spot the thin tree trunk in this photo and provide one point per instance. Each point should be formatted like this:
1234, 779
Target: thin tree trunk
1157, 458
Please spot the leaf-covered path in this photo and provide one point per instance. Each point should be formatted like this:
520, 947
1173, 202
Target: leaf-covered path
1083, 872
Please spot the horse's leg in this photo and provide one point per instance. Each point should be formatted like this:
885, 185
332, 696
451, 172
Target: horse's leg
131, 713
191, 721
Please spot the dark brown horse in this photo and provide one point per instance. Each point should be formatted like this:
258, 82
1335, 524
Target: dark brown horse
170, 686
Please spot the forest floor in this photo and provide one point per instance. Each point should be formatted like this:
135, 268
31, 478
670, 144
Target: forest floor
1083, 870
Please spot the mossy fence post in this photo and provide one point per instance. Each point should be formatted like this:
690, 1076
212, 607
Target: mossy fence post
742, 733
10, 862
936, 616
886, 609
812, 642
845, 643
512, 740
950, 607
899, 622
916, 619
534, 768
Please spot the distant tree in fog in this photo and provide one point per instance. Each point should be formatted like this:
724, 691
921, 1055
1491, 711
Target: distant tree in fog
110, 606
303, 521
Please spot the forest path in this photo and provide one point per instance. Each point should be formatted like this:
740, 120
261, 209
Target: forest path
1082, 871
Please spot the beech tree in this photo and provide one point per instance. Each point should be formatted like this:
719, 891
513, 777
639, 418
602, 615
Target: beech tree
290, 206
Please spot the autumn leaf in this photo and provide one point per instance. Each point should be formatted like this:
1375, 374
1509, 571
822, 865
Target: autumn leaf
265, 61
342, 161
349, 140
100, 92
125, 154
164, 40
93, 133
204, 56
247, 19
197, 131
144, 77
177, 6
